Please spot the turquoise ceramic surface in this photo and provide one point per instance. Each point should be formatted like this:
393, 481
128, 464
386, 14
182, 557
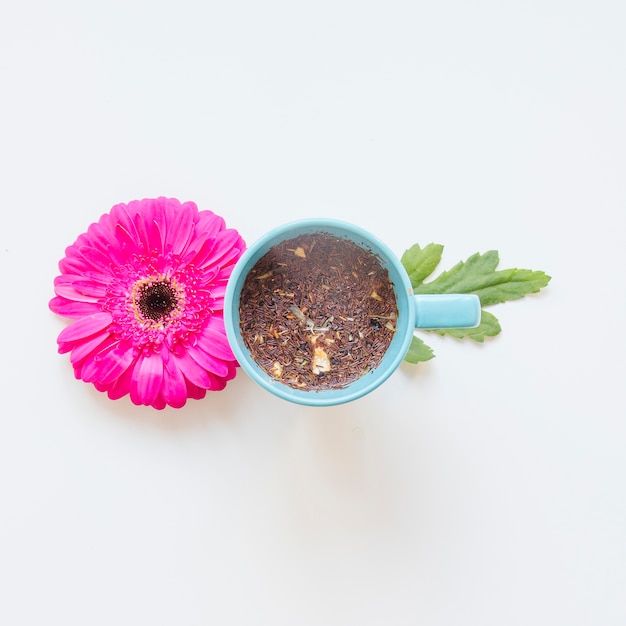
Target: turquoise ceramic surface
414, 311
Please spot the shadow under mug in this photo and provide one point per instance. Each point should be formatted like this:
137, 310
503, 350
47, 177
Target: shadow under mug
414, 311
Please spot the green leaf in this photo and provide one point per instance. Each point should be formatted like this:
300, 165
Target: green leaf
420, 263
478, 275
418, 351
488, 327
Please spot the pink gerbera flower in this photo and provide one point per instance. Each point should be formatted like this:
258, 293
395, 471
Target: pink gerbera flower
145, 286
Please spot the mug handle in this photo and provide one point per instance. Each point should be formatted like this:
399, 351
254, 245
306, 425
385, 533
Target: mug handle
447, 310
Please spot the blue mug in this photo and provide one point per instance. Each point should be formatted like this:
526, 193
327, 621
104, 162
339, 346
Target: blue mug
413, 311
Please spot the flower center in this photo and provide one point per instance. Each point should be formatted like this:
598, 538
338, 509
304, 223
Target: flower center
156, 300
154, 304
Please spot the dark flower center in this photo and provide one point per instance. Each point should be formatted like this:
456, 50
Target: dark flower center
157, 300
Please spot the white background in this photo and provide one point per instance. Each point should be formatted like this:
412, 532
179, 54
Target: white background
485, 487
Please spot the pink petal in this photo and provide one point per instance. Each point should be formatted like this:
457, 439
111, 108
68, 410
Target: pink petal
73, 263
229, 257
148, 231
83, 349
208, 362
159, 403
108, 226
195, 392
213, 339
125, 231
143, 237
181, 228
209, 224
227, 246
173, 388
125, 240
193, 372
218, 291
72, 309
90, 288
99, 386
82, 361
95, 258
87, 286
158, 235
195, 256
167, 213
108, 365
145, 383
228, 261
121, 386
68, 291
161, 219
218, 383
84, 327
103, 239
83, 260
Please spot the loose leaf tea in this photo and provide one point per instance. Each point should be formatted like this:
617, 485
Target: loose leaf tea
317, 311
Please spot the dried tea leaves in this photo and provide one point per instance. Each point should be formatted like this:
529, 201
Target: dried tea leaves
317, 311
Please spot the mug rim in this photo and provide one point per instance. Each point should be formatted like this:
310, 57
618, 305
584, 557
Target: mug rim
402, 290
